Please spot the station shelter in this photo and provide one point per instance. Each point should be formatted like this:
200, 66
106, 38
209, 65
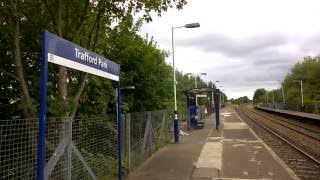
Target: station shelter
196, 112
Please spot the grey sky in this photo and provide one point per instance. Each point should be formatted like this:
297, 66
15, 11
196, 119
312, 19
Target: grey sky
245, 44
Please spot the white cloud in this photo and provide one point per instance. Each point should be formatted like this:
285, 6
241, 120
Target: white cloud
245, 44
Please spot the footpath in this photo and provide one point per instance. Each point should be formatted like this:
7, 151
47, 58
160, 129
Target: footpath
232, 152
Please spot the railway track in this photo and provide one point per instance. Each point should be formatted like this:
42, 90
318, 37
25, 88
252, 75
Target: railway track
306, 165
302, 135
304, 128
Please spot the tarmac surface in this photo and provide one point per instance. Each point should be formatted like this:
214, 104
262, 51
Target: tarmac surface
233, 152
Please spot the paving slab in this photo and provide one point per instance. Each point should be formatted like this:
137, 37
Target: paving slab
232, 152
250, 160
175, 161
237, 153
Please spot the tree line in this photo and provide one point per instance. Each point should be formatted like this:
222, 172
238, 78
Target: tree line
289, 92
110, 28
240, 100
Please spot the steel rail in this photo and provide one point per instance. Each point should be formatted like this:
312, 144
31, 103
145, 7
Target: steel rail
283, 139
297, 125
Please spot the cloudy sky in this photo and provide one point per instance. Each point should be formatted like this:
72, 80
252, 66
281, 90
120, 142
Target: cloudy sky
245, 44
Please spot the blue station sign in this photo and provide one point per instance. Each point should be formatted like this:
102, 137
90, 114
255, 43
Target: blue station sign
65, 53
57, 50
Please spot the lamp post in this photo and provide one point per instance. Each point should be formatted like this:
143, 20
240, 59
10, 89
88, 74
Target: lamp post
196, 77
301, 90
175, 121
195, 82
283, 99
273, 99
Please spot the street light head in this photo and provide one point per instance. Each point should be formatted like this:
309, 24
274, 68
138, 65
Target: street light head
192, 25
217, 81
203, 74
188, 74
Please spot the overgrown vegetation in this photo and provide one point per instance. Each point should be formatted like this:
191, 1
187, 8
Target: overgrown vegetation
108, 27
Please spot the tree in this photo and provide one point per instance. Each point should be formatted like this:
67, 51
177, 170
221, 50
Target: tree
259, 95
241, 100
87, 23
309, 72
108, 27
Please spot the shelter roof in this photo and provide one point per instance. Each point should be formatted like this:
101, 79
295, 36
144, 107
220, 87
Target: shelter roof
199, 91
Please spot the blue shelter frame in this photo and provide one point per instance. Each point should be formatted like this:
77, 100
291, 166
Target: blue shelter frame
193, 121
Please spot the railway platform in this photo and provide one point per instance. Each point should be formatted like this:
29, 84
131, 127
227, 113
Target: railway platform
292, 113
232, 152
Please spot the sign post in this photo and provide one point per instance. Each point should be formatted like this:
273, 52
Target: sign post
41, 159
57, 50
119, 125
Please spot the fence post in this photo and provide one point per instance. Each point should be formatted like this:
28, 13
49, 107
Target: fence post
150, 134
149, 140
163, 133
128, 140
146, 133
69, 148
67, 133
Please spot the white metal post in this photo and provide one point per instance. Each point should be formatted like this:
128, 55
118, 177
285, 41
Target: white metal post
301, 88
196, 86
283, 99
175, 121
212, 95
273, 98
174, 74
